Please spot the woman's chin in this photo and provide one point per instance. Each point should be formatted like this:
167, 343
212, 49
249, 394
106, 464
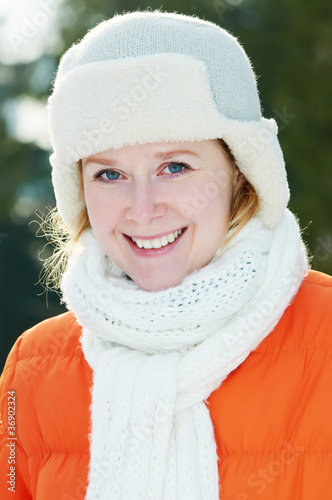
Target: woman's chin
155, 282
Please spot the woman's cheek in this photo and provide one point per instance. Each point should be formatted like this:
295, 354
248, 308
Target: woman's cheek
205, 198
103, 209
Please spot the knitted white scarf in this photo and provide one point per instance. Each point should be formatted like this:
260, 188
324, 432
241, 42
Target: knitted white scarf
157, 356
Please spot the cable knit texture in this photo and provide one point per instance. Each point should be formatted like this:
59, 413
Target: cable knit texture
148, 77
157, 356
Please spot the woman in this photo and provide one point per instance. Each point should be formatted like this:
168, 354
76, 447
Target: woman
196, 360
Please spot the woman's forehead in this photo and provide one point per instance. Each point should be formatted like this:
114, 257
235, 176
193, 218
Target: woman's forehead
160, 150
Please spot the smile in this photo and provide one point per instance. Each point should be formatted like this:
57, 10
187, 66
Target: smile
157, 242
153, 247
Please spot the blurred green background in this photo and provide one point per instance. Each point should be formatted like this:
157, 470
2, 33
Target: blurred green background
290, 45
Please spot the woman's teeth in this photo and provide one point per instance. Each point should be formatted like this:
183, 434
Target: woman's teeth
158, 242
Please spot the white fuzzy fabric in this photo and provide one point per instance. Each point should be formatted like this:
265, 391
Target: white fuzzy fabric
157, 356
152, 77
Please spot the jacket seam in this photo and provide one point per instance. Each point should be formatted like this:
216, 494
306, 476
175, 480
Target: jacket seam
78, 355
50, 452
302, 349
313, 283
256, 453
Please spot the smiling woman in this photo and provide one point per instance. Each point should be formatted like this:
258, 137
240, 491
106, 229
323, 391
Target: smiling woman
196, 350
149, 192
243, 206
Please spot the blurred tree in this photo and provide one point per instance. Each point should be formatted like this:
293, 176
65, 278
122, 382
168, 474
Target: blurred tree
290, 46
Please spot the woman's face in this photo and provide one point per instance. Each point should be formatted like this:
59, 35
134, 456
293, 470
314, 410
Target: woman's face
159, 210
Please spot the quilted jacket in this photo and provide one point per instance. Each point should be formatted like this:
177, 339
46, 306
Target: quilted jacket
272, 416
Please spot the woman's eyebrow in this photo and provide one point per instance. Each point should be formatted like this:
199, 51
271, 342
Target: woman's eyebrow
170, 154
161, 155
102, 161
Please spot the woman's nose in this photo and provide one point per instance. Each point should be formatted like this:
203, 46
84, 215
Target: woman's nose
143, 202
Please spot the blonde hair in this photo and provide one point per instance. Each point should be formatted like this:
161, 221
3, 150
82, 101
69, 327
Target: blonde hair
244, 202
244, 205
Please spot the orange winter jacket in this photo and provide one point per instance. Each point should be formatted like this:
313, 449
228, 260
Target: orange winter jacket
272, 416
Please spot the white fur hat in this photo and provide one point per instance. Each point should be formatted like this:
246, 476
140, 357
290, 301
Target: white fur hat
149, 77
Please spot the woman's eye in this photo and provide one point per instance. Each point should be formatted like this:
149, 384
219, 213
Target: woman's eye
111, 175
176, 167
107, 175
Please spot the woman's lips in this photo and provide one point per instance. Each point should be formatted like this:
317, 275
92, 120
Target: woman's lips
159, 235
154, 252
